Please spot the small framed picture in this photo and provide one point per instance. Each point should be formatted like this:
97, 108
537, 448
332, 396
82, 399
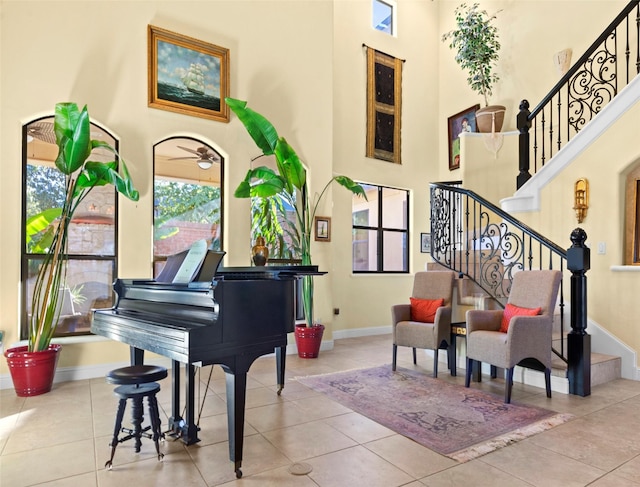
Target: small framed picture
425, 243
464, 121
187, 75
322, 226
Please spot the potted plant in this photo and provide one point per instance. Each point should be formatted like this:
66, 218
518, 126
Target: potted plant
476, 43
289, 183
73, 138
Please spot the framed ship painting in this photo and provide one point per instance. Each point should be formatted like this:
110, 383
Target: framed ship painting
187, 76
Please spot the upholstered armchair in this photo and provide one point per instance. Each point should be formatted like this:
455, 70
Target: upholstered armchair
521, 333
425, 322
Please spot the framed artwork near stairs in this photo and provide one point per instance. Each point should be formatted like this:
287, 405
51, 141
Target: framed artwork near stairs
464, 121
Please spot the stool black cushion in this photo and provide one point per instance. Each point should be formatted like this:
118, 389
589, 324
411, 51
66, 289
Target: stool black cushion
136, 382
136, 374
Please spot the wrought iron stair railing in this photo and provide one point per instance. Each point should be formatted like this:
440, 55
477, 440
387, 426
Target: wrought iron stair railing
606, 67
478, 240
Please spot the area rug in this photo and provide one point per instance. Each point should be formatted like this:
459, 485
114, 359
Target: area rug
458, 422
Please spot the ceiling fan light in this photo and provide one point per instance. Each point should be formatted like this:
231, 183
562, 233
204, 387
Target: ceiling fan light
205, 163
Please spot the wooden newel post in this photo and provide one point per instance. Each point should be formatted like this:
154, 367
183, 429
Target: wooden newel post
524, 124
579, 341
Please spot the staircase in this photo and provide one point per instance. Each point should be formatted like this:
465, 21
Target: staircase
603, 73
486, 245
595, 92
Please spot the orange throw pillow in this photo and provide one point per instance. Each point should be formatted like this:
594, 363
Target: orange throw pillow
425, 309
510, 311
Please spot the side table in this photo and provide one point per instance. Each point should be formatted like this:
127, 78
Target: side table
459, 329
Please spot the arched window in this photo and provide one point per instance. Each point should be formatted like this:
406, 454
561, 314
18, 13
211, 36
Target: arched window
92, 249
187, 196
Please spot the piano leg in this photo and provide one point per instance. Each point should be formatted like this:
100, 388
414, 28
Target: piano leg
191, 427
185, 429
175, 421
236, 396
281, 356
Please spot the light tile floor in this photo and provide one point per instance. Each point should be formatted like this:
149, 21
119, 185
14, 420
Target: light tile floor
61, 438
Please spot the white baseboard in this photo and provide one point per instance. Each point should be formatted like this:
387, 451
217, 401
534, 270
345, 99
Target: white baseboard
65, 374
362, 332
536, 378
520, 374
605, 341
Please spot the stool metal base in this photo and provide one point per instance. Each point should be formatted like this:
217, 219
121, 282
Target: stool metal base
137, 393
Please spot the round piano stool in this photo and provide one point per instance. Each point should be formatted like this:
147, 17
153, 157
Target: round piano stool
136, 382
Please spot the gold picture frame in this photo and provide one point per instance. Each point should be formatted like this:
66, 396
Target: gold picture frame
187, 76
322, 226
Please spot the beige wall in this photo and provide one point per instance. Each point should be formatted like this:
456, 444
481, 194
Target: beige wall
612, 295
529, 73
531, 32
364, 301
95, 53
302, 64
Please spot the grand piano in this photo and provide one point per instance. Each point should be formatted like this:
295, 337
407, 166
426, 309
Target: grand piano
227, 315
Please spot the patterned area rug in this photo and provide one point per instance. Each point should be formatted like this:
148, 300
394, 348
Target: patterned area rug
452, 420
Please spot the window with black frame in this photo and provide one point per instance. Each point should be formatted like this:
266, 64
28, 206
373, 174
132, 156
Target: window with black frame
92, 249
380, 230
188, 177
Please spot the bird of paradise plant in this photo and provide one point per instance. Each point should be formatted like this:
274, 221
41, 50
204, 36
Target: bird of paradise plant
289, 182
73, 138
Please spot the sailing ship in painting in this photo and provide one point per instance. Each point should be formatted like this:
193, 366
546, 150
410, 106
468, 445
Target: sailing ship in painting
190, 89
194, 79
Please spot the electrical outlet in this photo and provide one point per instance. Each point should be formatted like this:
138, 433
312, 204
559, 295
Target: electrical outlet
602, 248
336, 311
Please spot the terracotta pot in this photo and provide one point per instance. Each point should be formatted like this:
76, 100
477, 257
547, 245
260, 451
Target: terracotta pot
489, 119
308, 340
32, 372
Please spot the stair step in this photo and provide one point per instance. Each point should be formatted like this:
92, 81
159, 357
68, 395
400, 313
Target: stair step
604, 368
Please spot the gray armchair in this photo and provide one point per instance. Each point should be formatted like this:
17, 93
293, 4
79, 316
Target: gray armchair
527, 341
408, 332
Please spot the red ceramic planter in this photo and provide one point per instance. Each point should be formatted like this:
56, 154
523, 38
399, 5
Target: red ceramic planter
308, 340
32, 372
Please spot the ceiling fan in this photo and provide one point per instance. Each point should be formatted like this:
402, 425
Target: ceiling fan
205, 157
42, 131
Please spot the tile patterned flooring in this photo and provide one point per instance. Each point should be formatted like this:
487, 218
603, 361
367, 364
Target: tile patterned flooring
61, 438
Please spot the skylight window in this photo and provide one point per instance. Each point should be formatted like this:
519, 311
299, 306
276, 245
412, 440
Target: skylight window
384, 16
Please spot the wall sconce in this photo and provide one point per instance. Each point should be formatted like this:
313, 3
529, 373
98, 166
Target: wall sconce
581, 198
